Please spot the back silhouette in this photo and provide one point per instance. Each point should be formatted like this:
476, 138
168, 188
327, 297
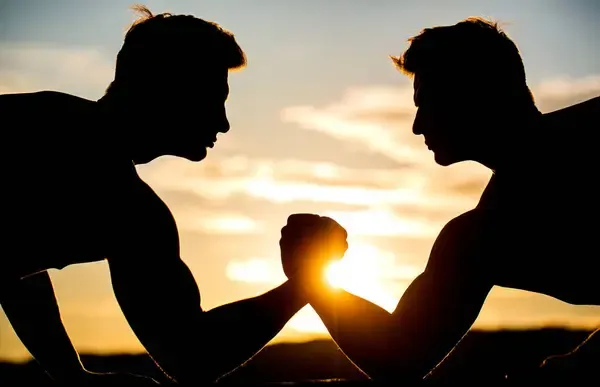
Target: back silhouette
527, 231
74, 196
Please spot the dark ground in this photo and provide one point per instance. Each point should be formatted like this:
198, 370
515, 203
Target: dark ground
482, 357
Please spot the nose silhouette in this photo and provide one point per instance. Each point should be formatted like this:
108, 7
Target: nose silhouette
418, 123
226, 126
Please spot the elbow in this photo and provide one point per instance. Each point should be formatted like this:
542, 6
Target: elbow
392, 361
396, 370
398, 361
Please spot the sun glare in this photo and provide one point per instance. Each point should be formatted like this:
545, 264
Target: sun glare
364, 271
335, 274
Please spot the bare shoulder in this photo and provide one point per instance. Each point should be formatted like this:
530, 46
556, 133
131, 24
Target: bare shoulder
46, 100
489, 197
470, 226
589, 108
148, 226
465, 241
14, 103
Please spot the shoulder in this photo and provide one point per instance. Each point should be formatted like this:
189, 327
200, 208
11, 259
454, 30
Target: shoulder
465, 242
589, 108
577, 118
44, 102
489, 197
41, 97
10, 102
146, 225
469, 226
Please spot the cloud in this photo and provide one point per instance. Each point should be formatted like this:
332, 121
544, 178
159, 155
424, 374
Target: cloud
379, 118
27, 67
216, 222
256, 195
363, 115
383, 222
286, 181
559, 92
255, 270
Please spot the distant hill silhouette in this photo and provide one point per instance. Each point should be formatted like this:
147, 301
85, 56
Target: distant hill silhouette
485, 356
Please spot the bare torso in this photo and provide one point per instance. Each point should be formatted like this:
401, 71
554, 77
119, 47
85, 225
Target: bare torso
544, 212
70, 196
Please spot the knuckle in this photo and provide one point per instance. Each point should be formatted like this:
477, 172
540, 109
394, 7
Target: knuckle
301, 216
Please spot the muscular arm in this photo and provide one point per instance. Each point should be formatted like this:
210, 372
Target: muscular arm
161, 301
162, 305
33, 312
434, 313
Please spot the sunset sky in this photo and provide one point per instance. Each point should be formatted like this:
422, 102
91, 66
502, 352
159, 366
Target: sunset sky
321, 122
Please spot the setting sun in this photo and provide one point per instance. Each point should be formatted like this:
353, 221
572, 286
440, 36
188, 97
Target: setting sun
368, 272
335, 274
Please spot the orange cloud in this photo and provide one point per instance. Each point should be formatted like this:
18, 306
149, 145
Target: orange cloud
285, 181
255, 270
381, 222
216, 222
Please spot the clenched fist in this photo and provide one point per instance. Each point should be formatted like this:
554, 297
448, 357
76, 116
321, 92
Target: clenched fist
309, 242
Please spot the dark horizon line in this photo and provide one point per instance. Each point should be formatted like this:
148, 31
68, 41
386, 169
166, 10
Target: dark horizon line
547, 328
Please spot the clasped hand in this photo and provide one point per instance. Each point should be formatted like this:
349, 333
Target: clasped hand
309, 243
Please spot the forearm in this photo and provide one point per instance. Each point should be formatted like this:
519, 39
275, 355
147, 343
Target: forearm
30, 306
360, 328
245, 327
162, 305
430, 319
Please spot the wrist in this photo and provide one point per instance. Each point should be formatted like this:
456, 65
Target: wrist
296, 289
307, 284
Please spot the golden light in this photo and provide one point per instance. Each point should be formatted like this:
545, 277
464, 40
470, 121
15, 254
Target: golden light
335, 274
382, 222
365, 271
255, 270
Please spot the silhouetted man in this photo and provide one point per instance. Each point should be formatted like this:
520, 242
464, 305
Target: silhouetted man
527, 231
72, 195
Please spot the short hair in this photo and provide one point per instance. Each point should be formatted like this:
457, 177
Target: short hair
153, 41
473, 46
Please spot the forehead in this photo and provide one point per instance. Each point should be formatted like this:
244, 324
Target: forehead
431, 80
201, 78
194, 66
441, 85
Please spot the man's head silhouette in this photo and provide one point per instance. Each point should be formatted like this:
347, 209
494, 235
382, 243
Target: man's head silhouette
469, 87
172, 72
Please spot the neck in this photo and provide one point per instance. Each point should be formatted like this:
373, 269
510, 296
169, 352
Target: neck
521, 135
109, 104
111, 110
